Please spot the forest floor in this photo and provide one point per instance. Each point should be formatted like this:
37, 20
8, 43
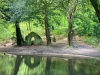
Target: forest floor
59, 48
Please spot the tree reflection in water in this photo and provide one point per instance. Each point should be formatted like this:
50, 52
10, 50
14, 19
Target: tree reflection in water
37, 65
48, 64
17, 64
71, 65
28, 61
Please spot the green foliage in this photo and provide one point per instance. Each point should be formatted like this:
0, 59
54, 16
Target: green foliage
84, 20
4, 9
6, 30
93, 41
97, 30
18, 10
4, 33
60, 31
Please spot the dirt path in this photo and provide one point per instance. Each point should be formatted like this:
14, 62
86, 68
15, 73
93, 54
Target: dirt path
57, 49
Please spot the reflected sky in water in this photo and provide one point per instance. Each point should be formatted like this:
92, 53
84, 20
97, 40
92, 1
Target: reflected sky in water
37, 65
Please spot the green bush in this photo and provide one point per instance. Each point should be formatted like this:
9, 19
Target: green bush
60, 31
97, 30
92, 41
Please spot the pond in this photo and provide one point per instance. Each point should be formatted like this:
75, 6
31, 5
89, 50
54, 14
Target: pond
42, 65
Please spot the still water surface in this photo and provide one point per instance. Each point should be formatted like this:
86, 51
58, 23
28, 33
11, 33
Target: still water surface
37, 65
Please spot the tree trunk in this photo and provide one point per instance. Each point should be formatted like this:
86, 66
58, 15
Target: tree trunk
70, 33
18, 34
70, 25
47, 30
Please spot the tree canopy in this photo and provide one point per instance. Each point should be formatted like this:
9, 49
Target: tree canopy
72, 17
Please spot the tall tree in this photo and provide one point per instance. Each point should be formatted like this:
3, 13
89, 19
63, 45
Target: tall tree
14, 11
70, 21
43, 12
68, 7
47, 28
19, 13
